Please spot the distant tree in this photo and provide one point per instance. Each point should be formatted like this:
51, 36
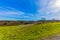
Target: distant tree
4, 23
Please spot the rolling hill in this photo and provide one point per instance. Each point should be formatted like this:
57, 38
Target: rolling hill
29, 32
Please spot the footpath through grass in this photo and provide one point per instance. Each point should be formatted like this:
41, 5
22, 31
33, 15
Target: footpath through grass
32, 32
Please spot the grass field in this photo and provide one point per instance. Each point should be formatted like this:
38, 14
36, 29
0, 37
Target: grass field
30, 32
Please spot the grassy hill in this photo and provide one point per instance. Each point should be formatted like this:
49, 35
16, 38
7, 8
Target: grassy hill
29, 32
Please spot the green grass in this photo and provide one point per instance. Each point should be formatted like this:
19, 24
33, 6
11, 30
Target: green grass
31, 32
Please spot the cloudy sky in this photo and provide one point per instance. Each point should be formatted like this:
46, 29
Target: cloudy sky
29, 9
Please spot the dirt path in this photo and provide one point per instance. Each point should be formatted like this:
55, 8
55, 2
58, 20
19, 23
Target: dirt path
55, 37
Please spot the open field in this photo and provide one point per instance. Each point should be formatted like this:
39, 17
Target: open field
29, 32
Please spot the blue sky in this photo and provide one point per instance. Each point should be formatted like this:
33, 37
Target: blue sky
29, 9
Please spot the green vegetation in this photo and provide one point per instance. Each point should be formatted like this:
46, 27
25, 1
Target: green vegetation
29, 32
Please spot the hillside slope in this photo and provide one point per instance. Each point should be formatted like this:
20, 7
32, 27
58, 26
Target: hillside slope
30, 32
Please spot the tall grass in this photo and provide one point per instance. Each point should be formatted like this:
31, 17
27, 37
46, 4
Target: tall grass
32, 32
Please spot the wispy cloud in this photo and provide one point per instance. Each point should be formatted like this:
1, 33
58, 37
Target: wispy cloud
48, 9
12, 13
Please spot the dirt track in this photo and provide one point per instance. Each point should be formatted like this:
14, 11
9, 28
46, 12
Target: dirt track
55, 37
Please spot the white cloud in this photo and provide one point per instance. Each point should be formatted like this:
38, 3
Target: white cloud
12, 13
55, 3
49, 8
